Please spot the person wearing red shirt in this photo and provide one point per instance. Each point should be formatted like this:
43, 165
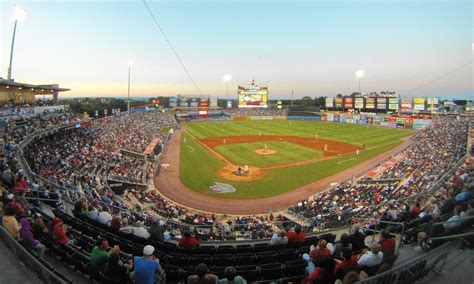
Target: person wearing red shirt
348, 264
188, 241
387, 245
60, 231
296, 237
21, 186
320, 253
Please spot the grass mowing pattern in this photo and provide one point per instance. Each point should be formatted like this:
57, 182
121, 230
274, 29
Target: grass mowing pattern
198, 166
244, 153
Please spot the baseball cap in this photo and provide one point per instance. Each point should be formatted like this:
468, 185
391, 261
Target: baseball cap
148, 250
37, 215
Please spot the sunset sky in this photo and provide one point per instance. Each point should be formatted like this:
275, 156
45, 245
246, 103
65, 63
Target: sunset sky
312, 47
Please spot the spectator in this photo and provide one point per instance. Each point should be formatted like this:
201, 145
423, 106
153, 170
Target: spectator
116, 223
126, 228
470, 211
115, 270
231, 277
370, 258
28, 239
452, 221
279, 239
202, 276
157, 231
146, 267
188, 241
421, 239
464, 195
387, 245
348, 263
320, 253
100, 255
140, 231
297, 236
357, 239
93, 213
104, 216
60, 230
10, 223
345, 242
39, 228
324, 274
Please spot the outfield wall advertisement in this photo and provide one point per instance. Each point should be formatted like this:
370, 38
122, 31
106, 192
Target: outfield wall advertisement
370, 103
381, 103
329, 102
348, 103
359, 103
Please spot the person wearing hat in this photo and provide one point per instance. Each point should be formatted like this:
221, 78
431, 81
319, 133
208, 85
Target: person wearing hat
146, 266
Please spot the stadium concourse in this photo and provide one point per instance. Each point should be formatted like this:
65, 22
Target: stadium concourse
57, 172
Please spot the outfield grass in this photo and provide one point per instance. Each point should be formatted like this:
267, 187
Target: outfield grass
198, 167
244, 153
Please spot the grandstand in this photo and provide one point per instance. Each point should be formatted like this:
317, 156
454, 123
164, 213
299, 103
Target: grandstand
62, 168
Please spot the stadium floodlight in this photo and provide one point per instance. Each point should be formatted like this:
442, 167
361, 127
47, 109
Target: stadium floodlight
19, 14
130, 64
359, 74
227, 78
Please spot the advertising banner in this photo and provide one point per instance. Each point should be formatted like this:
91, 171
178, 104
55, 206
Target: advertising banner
419, 101
381, 103
393, 103
406, 104
370, 103
419, 107
330, 117
432, 101
359, 103
338, 102
329, 102
348, 103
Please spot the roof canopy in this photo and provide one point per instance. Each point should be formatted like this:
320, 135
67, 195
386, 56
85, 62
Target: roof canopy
38, 89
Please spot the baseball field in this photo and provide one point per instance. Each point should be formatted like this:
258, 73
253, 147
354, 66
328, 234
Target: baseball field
280, 155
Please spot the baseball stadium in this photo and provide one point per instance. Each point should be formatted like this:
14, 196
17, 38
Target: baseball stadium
243, 186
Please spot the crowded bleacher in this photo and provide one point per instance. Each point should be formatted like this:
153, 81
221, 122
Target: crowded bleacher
113, 238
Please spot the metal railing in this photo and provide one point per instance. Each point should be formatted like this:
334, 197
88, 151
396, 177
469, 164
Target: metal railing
414, 269
460, 221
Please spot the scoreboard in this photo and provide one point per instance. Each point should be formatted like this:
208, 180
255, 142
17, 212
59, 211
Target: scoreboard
253, 96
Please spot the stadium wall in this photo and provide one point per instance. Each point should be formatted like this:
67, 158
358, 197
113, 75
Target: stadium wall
41, 271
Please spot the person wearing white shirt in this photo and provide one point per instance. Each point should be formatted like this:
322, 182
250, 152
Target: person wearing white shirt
140, 231
92, 214
104, 216
279, 239
126, 228
371, 258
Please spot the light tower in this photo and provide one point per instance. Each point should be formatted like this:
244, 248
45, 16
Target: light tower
18, 15
359, 74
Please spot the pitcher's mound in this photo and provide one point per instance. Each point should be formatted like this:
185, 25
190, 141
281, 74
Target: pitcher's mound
229, 172
265, 151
